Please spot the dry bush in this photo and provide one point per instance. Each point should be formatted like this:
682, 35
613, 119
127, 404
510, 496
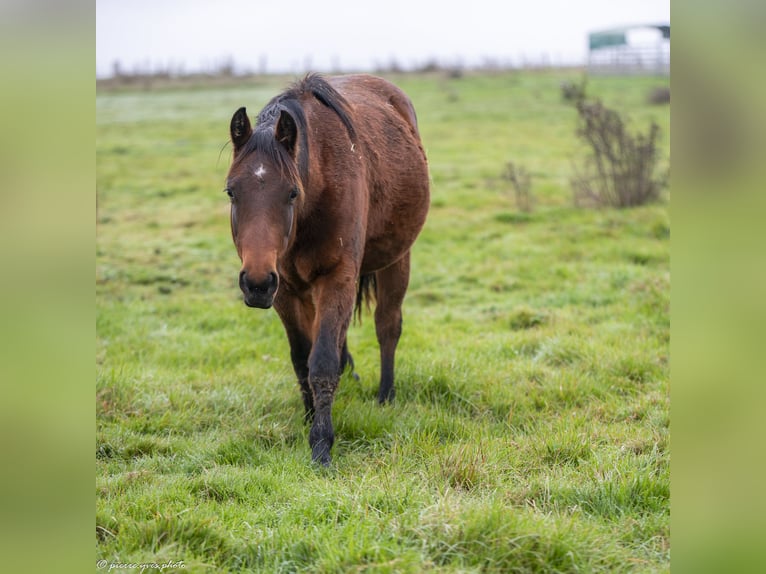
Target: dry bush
573, 92
659, 95
522, 186
619, 170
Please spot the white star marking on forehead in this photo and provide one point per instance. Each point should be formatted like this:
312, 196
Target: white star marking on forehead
260, 172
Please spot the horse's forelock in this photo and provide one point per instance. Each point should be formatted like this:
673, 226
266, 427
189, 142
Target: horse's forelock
263, 140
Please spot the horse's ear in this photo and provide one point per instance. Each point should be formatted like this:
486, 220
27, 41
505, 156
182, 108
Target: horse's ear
240, 129
286, 131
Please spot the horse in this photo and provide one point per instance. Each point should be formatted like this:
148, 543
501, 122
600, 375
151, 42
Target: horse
329, 191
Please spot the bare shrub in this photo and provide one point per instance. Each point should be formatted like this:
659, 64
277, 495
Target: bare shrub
522, 186
620, 168
573, 92
660, 95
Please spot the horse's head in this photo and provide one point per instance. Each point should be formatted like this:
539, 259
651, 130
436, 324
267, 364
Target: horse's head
265, 191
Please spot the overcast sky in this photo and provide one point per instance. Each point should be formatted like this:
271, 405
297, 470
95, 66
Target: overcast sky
294, 35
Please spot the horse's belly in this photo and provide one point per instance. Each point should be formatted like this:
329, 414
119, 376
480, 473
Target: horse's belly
391, 238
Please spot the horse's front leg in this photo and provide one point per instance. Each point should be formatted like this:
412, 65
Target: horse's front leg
334, 304
297, 316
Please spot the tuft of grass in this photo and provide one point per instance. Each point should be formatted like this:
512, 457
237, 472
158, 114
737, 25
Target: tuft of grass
567, 451
497, 539
525, 318
514, 217
464, 466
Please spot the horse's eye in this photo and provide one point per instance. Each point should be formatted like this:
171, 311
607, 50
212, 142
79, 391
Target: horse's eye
293, 193
229, 192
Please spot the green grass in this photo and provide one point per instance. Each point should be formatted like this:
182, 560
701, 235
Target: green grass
531, 426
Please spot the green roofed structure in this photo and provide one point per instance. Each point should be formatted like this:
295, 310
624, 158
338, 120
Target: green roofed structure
638, 49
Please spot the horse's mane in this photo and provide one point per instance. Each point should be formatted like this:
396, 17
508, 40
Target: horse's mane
263, 139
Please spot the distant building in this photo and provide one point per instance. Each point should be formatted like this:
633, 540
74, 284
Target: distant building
639, 49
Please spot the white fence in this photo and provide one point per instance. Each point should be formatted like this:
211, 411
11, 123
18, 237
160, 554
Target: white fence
638, 60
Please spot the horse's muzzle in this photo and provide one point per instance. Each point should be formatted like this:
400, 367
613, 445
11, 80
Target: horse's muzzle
258, 294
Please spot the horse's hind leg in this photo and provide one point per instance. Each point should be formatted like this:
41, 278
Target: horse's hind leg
347, 361
391, 286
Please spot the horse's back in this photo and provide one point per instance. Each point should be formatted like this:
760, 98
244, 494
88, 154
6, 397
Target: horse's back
396, 166
363, 89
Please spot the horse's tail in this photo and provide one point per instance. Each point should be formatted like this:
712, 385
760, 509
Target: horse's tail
365, 293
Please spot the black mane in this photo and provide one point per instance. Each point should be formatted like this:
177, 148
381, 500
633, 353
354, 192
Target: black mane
263, 139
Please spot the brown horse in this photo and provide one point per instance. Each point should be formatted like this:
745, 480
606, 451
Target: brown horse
328, 193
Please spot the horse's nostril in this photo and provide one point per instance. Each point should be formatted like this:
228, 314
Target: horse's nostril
269, 284
264, 286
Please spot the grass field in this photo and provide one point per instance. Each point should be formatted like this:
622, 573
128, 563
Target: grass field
530, 431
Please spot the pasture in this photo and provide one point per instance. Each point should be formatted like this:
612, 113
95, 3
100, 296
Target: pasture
530, 430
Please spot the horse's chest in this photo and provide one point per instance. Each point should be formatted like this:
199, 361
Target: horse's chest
318, 260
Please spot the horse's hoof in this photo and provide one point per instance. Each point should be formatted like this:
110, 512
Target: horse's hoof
322, 460
320, 452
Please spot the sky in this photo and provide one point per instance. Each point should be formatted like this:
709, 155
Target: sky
342, 35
